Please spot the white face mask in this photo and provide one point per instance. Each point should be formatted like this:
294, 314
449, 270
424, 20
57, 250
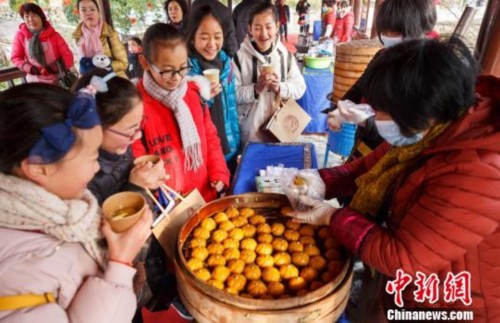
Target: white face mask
390, 131
391, 41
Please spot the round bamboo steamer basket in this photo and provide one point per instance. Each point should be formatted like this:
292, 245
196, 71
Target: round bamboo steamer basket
209, 304
360, 47
348, 74
341, 88
347, 81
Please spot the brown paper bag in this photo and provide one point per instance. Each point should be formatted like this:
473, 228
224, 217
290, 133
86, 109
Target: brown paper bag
288, 121
168, 228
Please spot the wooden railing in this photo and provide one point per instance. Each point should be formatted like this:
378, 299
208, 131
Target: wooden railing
9, 75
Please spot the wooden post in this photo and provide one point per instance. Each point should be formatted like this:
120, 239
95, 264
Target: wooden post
357, 10
488, 41
106, 11
375, 12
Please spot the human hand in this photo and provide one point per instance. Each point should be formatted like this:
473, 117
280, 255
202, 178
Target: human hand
215, 89
219, 185
124, 246
34, 70
274, 84
148, 175
262, 82
73, 70
44, 71
320, 212
334, 120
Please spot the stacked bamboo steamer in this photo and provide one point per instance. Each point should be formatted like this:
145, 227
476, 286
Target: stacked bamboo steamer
351, 59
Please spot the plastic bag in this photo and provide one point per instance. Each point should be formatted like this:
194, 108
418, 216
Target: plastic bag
307, 182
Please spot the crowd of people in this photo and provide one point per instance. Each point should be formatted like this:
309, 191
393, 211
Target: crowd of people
424, 200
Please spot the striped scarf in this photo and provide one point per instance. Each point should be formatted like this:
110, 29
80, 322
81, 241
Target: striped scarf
174, 100
90, 42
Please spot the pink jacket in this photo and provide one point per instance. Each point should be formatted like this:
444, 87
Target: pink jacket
343, 27
54, 47
36, 263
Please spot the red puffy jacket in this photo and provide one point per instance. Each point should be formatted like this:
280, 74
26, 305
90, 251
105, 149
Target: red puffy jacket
162, 137
343, 27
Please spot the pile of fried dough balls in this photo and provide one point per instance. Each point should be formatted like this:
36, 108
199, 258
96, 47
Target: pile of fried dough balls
245, 254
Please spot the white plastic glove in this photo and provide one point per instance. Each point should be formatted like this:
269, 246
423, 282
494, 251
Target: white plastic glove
334, 120
354, 113
319, 213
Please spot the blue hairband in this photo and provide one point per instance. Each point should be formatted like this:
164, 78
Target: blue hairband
56, 140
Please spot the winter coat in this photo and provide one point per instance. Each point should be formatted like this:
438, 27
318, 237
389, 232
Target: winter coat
134, 69
161, 136
343, 27
329, 19
241, 14
54, 48
111, 46
444, 213
224, 14
286, 11
228, 100
254, 111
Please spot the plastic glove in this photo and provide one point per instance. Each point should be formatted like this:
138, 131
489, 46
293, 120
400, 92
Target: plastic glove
354, 113
319, 213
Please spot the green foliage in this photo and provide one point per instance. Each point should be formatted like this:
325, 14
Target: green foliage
15, 4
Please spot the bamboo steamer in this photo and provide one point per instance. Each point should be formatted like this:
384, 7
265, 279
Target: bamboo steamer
351, 59
209, 304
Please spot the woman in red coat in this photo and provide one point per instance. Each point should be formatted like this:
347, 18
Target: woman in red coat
37, 46
429, 204
344, 22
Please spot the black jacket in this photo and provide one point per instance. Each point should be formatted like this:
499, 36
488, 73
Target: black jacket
224, 14
241, 15
286, 10
134, 69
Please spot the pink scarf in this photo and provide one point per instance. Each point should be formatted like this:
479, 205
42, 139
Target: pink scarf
90, 42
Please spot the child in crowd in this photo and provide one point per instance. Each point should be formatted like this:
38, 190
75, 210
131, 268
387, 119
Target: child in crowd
54, 266
95, 37
134, 70
205, 39
178, 126
256, 89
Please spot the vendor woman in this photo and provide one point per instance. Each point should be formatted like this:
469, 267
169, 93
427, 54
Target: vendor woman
429, 204
328, 17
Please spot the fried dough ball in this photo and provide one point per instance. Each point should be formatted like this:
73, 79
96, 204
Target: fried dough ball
309, 274
256, 288
277, 229
248, 256
291, 235
247, 212
295, 246
197, 242
195, 264
275, 289
201, 233
265, 237
208, 224
297, 283
221, 217
264, 249
203, 274
219, 235
289, 271
215, 283
236, 266
306, 230
324, 233
333, 254
226, 226
257, 219
292, 225
240, 221
327, 276
249, 230
216, 260
330, 243
286, 210
270, 274
200, 253
302, 292
232, 212
231, 243
252, 272
318, 263
263, 228
237, 234
316, 285
231, 253
264, 261
335, 267
312, 251
221, 273
248, 243
300, 259
307, 240
236, 281
215, 248
231, 291
282, 258
280, 244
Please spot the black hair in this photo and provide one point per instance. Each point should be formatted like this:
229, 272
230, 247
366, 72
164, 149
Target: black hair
137, 40
94, 1
114, 104
160, 35
184, 7
412, 18
262, 7
420, 81
195, 20
32, 8
24, 111
329, 3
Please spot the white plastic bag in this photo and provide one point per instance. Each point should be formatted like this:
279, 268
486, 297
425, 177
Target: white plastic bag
305, 182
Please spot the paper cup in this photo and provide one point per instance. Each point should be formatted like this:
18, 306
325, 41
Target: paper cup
154, 159
212, 75
267, 68
123, 210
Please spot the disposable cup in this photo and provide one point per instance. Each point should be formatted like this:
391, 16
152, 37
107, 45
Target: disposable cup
123, 210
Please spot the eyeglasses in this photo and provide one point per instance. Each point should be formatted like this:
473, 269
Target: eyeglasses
171, 73
133, 135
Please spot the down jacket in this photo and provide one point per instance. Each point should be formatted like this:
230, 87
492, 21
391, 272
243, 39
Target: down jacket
228, 100
161, 136
54, 48
254, 111
444, 215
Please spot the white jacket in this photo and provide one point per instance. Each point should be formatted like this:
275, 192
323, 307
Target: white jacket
254, 112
